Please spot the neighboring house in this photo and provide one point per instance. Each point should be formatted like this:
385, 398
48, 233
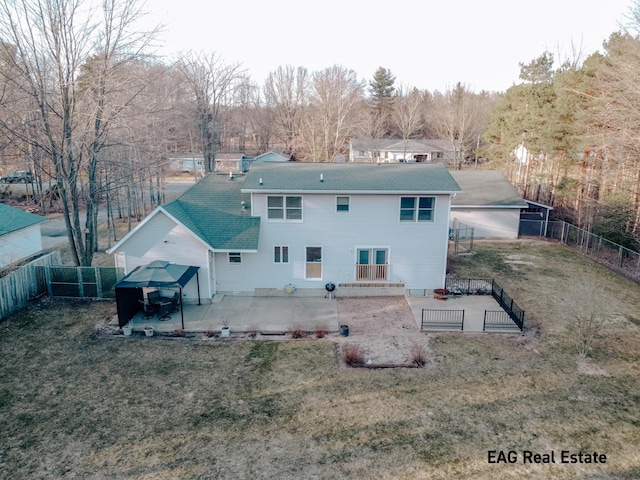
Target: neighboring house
273, 157
232, 163
488, 202
225, 162
187, 164
300, 226
398, 150
20, 235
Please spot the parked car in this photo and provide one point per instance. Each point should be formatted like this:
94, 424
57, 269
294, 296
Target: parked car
17, 177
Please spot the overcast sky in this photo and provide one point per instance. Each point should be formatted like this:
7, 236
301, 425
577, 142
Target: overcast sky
427, 44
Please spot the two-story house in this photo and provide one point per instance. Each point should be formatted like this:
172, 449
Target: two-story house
298, 226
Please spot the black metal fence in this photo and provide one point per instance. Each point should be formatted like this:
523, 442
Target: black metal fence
498, 320
508, 304
468, 286
442, 319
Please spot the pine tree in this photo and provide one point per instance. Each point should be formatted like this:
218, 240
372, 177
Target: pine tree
382, 92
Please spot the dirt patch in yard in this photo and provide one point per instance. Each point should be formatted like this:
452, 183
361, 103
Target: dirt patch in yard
383, 328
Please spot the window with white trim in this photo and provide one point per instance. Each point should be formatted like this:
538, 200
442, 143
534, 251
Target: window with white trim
342, 204
235, 258
417, 209
281, 254
280, 207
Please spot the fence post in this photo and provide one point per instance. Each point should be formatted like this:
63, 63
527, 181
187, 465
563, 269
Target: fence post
562, 239
98, 274
620, 256
47, 276
80, 285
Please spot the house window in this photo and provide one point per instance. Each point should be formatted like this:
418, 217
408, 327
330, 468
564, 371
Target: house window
419, 209
284, 208
342, 204
235, 258
281, 254
313, 268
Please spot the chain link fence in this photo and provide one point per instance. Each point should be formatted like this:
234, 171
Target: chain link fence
603, 251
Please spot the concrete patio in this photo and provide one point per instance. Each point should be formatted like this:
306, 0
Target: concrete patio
274, 315
474, 307
263, 314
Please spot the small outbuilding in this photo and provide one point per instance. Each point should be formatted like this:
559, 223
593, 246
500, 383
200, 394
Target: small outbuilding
488, 203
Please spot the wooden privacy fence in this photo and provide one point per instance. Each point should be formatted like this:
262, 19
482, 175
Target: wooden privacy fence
23, 284
81, 282
44, 276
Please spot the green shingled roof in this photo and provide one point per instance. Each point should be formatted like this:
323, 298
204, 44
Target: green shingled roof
350, 177
212, 210
484, 188
13, 219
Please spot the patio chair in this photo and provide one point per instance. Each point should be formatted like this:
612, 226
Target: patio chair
154, 297
150, 309
174, 302
165, 310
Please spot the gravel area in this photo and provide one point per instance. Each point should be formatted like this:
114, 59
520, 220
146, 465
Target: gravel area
383, 327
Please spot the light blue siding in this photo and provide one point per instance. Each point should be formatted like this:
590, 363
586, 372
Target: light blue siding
416, 250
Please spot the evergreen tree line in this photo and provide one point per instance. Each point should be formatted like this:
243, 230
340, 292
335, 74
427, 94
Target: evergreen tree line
569, 136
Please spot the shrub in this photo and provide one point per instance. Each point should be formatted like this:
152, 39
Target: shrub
296, 331
252, 332
178, 332
353, 355
320, 331
209, 333
418, 355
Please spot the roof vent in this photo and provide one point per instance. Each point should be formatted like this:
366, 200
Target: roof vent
321, 177
230, 175
260, 182
243, 204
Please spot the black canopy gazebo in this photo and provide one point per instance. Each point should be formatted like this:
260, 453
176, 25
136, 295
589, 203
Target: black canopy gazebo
158, 274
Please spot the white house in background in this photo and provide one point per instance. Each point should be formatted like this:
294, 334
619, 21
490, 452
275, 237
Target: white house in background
294, 227
20, 235
187, 164
488, 202
394, 150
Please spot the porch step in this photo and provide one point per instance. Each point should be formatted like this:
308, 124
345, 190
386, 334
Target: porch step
369, 289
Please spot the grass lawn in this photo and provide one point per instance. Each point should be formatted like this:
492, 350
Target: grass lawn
76, 406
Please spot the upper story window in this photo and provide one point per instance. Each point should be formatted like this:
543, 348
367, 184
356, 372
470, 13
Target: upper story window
281, 207
342, 204
417, 209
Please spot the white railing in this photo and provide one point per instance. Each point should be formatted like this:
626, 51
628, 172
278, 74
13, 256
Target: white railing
372, 272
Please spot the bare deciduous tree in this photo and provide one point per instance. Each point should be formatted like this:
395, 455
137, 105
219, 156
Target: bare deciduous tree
68, 109
335, 112
407, 114
286, 91
212, 83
